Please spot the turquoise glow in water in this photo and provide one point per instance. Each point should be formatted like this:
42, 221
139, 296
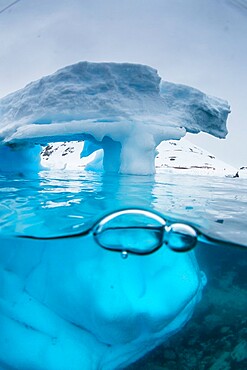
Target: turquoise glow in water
56, 203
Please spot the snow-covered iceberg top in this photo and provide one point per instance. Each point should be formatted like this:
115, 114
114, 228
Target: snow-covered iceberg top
124, 108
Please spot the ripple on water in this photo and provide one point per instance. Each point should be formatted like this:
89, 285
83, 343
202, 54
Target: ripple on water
59, 201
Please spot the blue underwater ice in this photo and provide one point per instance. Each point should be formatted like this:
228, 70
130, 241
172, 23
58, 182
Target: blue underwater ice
70, 299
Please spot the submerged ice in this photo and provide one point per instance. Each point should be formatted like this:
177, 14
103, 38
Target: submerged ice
70, 304
126, 109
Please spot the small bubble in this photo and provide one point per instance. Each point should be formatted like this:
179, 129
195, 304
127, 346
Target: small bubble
124, 254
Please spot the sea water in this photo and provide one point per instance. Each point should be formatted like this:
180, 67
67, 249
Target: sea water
64, 202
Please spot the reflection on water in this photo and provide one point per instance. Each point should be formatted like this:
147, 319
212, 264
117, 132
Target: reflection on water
56, 203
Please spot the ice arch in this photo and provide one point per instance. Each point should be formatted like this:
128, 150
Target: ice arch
124, 108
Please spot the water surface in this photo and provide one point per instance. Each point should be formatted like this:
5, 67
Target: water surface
58, 203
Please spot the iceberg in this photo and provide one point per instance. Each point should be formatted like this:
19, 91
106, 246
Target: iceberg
125, 109
67, 303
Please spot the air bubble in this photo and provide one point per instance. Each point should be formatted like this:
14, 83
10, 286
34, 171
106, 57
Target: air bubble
124, 254
180, 237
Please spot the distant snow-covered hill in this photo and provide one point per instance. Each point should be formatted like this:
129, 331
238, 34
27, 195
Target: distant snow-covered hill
184, 157
174, 156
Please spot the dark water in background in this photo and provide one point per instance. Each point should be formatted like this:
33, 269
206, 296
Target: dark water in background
63, 202
216, 336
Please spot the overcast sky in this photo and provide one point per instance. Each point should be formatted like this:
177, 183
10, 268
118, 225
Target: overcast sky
201, 43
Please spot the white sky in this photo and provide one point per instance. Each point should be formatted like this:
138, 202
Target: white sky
201, 43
